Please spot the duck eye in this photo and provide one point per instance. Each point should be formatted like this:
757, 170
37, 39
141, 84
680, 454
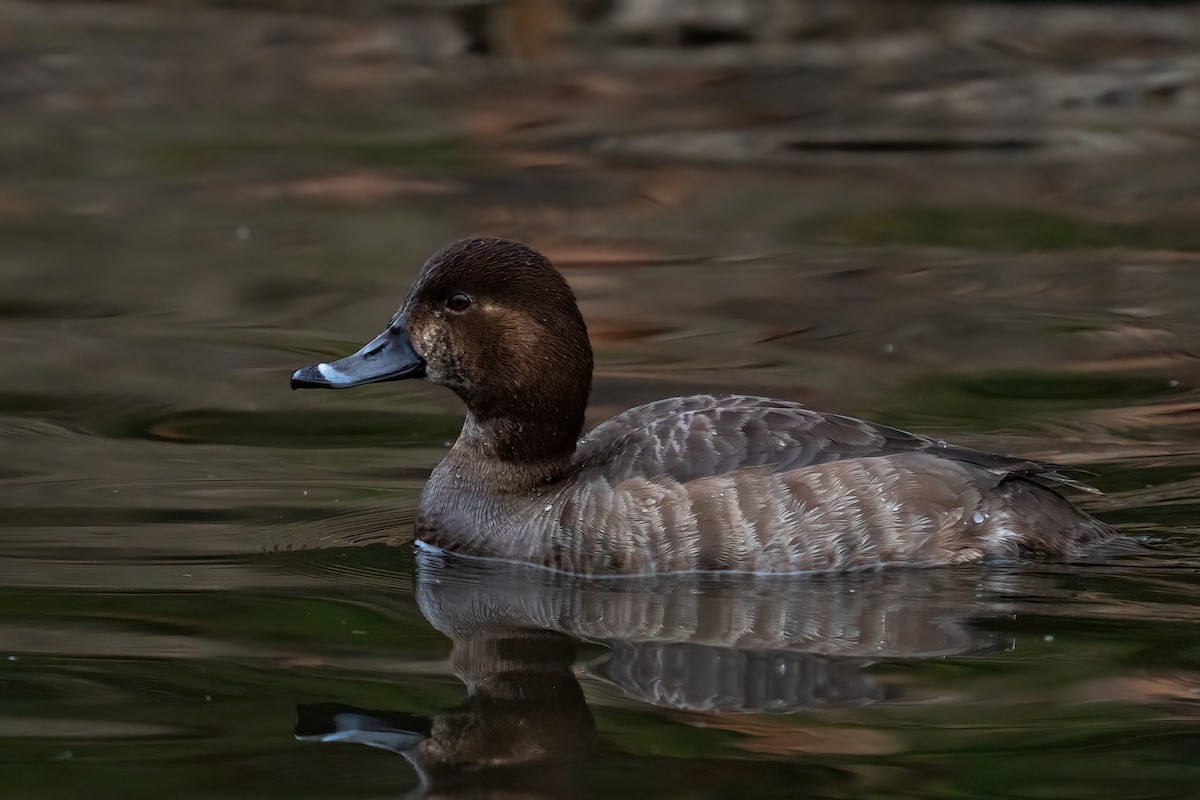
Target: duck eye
458, 302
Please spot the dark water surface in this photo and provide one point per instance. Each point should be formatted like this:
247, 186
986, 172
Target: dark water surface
206, 580
190, 552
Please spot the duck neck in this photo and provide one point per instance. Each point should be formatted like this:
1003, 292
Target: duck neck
522, 450
522, 424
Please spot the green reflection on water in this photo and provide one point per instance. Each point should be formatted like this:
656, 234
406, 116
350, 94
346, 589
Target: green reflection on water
1003, 229
997, 399
195, 155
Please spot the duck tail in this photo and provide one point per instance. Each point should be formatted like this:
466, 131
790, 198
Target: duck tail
1047, 523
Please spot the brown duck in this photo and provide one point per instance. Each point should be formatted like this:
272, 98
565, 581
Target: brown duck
707, 482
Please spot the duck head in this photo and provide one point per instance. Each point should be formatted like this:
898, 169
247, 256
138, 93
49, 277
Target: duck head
494, 321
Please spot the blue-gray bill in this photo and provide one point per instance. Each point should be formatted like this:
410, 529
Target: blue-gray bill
387, 357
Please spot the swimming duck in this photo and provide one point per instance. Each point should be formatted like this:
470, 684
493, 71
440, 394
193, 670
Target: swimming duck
706, 482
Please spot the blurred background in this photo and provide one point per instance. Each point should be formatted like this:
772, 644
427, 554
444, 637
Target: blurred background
978, 220
982, 184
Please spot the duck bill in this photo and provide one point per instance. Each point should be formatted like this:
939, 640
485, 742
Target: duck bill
387, 357
396, 731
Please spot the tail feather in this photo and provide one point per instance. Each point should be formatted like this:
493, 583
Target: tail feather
1066, 480
1048, 524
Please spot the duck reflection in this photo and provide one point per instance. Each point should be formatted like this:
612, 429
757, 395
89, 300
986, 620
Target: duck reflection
522, 729
715, 644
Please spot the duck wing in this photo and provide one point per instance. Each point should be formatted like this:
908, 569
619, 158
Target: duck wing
700, 436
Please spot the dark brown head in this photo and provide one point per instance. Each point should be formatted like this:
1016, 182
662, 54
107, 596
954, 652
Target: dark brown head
494, 321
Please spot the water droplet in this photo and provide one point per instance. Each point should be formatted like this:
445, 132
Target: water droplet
1173, 383
1048, 638
941, 442
547, 508
979, 517
242, 232
889, 348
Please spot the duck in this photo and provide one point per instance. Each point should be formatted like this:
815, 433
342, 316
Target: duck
702, 483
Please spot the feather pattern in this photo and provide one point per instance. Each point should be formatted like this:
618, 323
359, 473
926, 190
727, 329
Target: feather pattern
758, 485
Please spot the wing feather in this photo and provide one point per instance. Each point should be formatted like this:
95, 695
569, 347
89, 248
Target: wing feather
701, 436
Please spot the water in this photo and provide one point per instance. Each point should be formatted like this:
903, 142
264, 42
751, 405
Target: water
190, 552
203, 576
